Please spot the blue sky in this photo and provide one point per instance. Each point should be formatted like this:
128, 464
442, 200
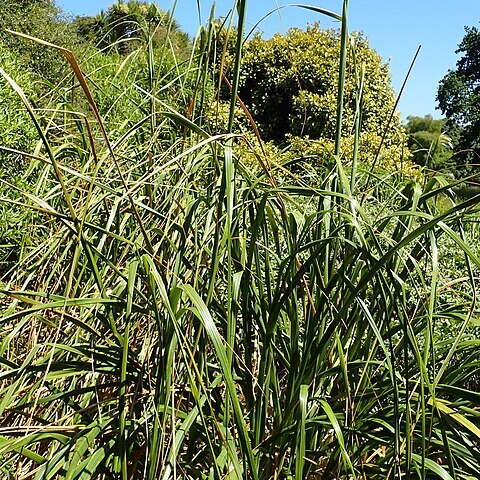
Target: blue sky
395, 29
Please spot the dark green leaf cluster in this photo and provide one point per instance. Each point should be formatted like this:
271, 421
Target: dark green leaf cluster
459, 100
41, 19
428, 142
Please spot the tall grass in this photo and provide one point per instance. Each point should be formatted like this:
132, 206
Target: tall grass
188, 316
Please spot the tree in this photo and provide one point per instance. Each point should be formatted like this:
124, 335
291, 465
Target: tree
125, 23
459, 98
428, 142
289, 83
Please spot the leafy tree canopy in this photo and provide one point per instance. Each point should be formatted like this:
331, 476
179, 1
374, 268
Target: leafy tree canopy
289, 83
459, 97
126, 22
428, 142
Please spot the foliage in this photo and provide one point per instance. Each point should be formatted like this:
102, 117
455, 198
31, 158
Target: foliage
390, 156
290, 86
185, 316
125, 23
459, 99
17, 134
16, 129
41, 19
120, 86
427, 141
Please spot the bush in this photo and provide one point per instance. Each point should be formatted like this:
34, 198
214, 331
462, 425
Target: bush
16, 129
391, 156
18, 133
41, 19
289, 85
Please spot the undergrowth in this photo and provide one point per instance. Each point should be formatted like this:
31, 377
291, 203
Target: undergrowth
176, 313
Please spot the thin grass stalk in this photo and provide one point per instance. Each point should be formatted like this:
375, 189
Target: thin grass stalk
358, 125
301, 445
326, 204
205, 41
341, 77
132, 272
242, 13
392, 113
228, 186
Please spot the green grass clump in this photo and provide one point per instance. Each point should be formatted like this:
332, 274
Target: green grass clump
184, 315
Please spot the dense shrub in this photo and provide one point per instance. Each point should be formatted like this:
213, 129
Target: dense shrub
427, 141
289, 83
16, 129
17, 133
41, 19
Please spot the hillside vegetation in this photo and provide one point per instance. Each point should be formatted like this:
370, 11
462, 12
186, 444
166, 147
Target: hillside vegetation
186, 295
